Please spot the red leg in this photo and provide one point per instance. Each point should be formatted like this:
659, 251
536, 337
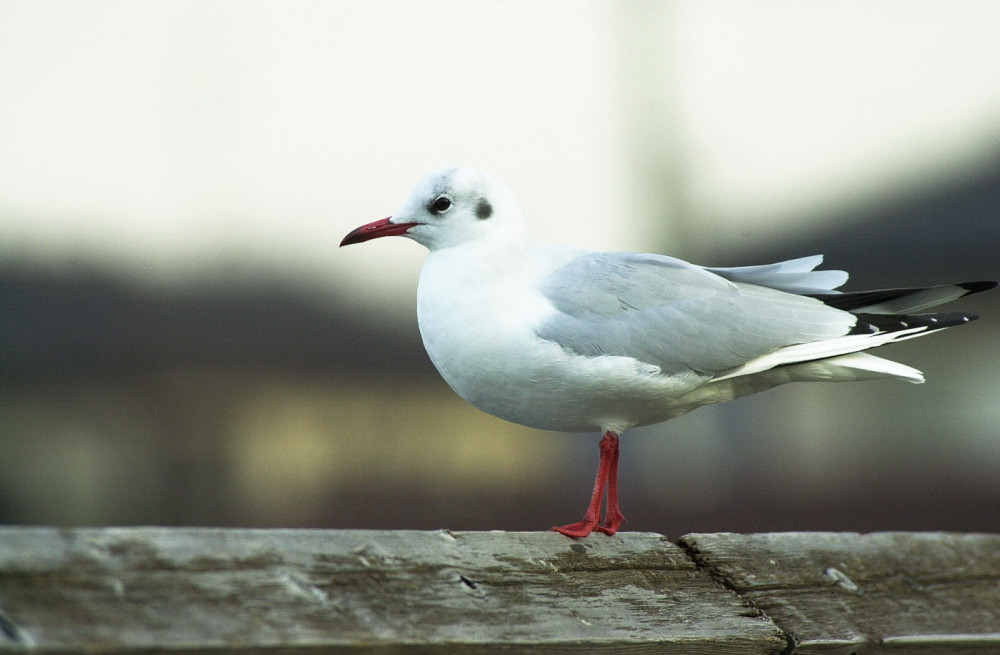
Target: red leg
612, 514
607, 470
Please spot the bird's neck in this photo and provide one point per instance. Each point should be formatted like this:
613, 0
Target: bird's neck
474, 262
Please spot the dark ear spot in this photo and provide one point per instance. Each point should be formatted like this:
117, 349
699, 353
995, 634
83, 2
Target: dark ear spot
484, 209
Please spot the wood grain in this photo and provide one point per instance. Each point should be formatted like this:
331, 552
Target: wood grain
214, 590
871, 593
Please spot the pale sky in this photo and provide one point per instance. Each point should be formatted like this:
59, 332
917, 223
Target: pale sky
170, 138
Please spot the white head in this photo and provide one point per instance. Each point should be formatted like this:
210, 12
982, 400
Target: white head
450, 207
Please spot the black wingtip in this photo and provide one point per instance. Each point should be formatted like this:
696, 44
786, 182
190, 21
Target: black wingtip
976, 287
875, 323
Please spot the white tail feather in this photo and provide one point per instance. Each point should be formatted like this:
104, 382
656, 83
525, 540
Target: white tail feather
875, 366
808, 352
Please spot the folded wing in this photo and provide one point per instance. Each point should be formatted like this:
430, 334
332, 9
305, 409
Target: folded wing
729, 322
680, 317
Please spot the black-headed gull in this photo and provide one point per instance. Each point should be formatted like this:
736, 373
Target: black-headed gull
557, 338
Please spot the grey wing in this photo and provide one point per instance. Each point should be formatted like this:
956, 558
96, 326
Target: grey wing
793, 276
675, 315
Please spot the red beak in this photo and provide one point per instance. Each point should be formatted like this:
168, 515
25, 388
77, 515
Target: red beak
376, 229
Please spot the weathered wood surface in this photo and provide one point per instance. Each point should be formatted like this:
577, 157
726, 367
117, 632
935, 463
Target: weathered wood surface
873, 593
277, 591
129, 589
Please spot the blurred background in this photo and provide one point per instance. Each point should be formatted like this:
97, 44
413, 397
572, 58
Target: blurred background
182, 342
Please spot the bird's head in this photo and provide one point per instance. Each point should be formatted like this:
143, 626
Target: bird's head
448, 208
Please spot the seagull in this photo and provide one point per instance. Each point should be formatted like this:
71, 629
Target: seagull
557, 338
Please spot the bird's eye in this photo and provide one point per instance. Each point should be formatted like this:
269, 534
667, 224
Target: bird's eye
440, 205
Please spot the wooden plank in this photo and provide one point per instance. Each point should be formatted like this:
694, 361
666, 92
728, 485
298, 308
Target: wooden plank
866, 593
275, 591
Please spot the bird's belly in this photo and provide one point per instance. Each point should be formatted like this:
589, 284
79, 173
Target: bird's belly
537, 383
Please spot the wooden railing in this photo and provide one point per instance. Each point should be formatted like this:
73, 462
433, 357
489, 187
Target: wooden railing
118, 590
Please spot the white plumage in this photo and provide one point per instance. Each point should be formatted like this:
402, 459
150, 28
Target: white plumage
564, 339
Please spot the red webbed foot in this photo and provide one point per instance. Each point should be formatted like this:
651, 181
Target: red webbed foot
607, 476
